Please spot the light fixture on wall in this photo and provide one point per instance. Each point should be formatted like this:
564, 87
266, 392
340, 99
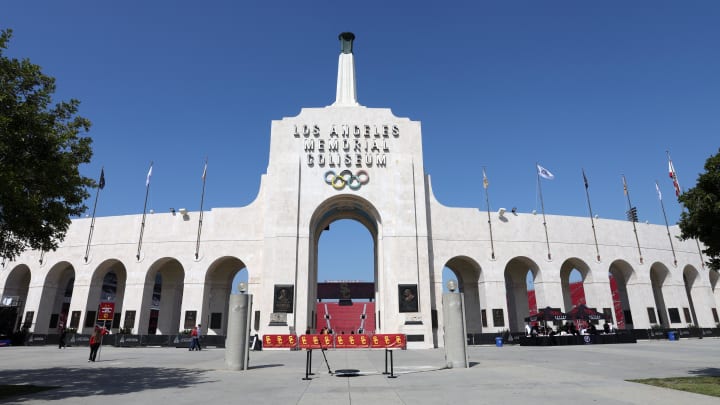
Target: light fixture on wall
183, 211
242, 287
451, 285
172, 211
501, 212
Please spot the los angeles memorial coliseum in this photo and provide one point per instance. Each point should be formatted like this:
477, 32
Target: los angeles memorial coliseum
348, 161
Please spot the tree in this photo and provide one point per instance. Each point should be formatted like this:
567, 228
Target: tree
40, 154
701, 220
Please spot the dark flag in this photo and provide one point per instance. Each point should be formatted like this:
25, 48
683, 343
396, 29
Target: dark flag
101, 183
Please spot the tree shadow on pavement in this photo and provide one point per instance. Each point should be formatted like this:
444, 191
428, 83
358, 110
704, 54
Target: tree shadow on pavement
707, 371
84, 382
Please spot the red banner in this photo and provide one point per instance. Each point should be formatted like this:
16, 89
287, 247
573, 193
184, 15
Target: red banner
389, 341
309, 342
106, 311
351, 341
280, 341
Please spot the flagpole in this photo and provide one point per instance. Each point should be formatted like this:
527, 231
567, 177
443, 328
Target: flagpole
662, 205
627, 194
678, 191
142, 225
200, 217
592, 220
487, 202
101, 184
542, 207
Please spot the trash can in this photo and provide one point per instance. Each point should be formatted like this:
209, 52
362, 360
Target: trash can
672, 336
499, 341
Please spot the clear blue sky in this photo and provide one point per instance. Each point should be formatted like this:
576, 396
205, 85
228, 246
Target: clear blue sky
606, 86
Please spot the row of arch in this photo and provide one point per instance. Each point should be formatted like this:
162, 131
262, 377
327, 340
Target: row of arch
68, 300
607, 287
164, 282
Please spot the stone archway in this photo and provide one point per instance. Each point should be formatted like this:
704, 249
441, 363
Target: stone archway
516, 273
14, 296
337, 208
659, 274
56, 297
620, 274
469, 278
574, 273
690, 279
108, 285
162, 298
216, 295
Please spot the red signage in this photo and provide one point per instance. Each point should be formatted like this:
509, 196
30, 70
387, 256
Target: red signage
389, 341
280, 341
106, 311
316, 341
351, 341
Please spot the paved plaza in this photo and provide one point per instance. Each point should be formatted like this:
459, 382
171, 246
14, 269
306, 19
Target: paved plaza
508, 375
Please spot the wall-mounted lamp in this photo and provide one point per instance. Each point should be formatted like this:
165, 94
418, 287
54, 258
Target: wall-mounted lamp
152, 211
597, 216
534, 212
514, 210
501, 212
242, 287
182, 211
451, 285
172, 211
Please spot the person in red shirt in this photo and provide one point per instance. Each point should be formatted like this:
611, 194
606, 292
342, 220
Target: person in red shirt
95, 340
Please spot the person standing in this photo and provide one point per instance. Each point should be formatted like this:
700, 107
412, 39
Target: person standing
63, 335
95, 340
199, 334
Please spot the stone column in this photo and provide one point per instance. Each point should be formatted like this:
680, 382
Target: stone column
455, 335
236, 342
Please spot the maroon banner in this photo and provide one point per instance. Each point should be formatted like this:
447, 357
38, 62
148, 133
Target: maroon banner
310, 342
351, 341
106, 311
389, 341
280, 341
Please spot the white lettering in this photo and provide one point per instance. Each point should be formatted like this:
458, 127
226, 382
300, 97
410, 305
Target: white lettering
309, 145
333, 145
380, 160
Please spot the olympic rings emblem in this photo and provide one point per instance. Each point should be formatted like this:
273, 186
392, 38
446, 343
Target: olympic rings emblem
346, 178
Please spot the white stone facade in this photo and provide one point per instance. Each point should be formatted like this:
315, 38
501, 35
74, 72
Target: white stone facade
275, 239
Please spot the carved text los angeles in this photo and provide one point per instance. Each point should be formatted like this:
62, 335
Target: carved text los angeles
346, 145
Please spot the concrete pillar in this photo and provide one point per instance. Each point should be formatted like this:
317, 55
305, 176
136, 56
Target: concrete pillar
455, 335
238, 332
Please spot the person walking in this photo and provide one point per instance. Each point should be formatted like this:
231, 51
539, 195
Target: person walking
194, 341
197, 338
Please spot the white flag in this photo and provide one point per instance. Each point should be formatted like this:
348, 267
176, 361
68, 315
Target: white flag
545, 173
204, 172
657, 188
147, 180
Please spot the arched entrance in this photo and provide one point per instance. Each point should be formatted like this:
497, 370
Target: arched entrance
216, 297
690, 279
162, 298
573, 274
365, 308
108, 285
468, 274
55, 300
620, 274
517, 272
14, 297
658, 275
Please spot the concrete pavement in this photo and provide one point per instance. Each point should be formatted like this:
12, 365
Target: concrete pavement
509, 374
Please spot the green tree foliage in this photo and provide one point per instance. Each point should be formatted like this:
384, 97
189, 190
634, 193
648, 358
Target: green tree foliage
701, 220
40, 153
